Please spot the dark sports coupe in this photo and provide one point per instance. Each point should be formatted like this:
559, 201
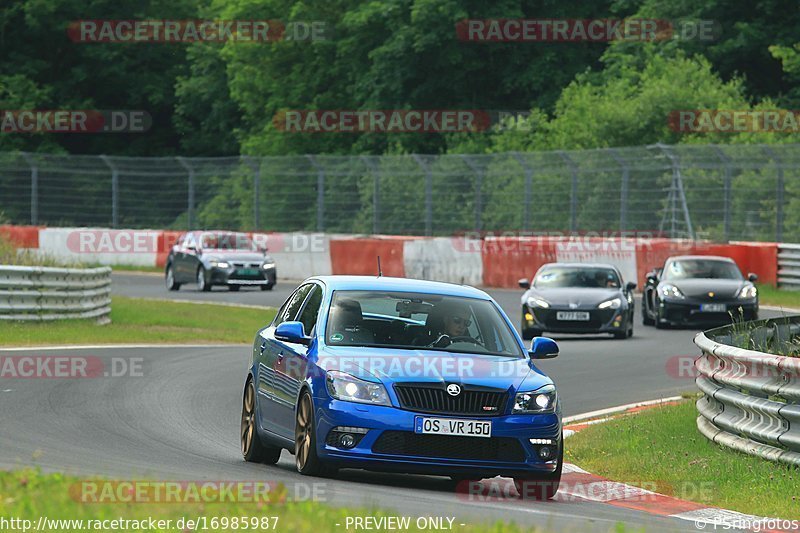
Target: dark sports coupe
577, 298
698, 290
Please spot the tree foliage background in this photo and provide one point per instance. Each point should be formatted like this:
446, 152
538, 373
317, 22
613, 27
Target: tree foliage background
214, 99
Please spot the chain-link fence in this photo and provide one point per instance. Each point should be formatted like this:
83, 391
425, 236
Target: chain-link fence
721, 192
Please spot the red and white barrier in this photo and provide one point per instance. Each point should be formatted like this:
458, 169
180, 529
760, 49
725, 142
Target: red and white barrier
492, 261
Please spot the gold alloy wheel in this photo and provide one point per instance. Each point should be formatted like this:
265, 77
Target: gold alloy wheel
302, 434
248, 426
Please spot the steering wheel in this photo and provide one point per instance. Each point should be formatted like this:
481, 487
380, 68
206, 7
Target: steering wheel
464, 338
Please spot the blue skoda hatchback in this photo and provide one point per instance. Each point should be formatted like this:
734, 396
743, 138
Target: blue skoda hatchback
402, 375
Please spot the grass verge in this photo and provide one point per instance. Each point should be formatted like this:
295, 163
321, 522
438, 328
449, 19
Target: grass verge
30, 495
136, 320
135, 268
662, 447
769, 295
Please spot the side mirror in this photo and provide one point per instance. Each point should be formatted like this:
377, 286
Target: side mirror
543, 348
630, 286
292, 332
524, 283
752, 277
652, 276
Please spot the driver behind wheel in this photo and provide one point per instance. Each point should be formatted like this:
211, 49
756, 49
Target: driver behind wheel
456, 322
447, 321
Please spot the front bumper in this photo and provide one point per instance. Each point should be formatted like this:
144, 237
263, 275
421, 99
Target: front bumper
689, 312
389, 428
600, 320
234, 276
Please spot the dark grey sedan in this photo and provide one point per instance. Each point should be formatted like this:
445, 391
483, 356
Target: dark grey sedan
210, 258
577, 298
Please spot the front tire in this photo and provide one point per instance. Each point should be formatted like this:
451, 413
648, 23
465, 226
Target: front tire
233, 288
528, 333
169, 279
305, 440
646, 320
544, 486
253, 449
202, 284
628, 333
266, 287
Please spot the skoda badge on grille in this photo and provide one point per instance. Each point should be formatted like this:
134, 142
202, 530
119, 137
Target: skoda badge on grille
453, 389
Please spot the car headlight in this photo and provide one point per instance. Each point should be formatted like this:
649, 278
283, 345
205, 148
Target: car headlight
670, 291
539, 401
538, 302
267, 266
748, 292
220, 264
343, 386
611, 304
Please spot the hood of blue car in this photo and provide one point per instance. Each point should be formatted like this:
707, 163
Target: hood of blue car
392, 366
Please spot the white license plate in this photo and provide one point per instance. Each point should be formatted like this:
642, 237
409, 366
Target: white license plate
713, 308
572, 315
453, 426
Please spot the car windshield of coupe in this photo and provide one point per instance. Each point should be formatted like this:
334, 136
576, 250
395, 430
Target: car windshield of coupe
419, 321
226, 241
578, 277
701, 268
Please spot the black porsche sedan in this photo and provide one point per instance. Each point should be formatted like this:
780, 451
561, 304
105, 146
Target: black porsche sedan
210, 258
577, 298
698, 290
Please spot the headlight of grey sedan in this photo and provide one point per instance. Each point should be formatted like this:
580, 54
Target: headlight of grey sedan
343, 386
539, 401
219, 264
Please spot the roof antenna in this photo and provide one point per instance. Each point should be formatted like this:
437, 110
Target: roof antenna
380, 272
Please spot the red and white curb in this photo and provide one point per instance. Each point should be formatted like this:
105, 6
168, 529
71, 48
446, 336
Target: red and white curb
579, 485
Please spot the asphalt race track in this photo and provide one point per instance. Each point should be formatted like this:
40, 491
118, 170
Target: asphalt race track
179, 420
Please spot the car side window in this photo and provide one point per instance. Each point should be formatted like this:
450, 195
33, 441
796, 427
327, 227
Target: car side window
188, 242
290, 308
311, 311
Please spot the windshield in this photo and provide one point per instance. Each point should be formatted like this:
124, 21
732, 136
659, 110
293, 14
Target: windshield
414, 321
584, 277
701, 268
226, 241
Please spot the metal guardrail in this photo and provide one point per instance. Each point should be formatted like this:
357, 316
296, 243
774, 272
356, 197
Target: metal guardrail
751, 399
45, 293
789, 266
